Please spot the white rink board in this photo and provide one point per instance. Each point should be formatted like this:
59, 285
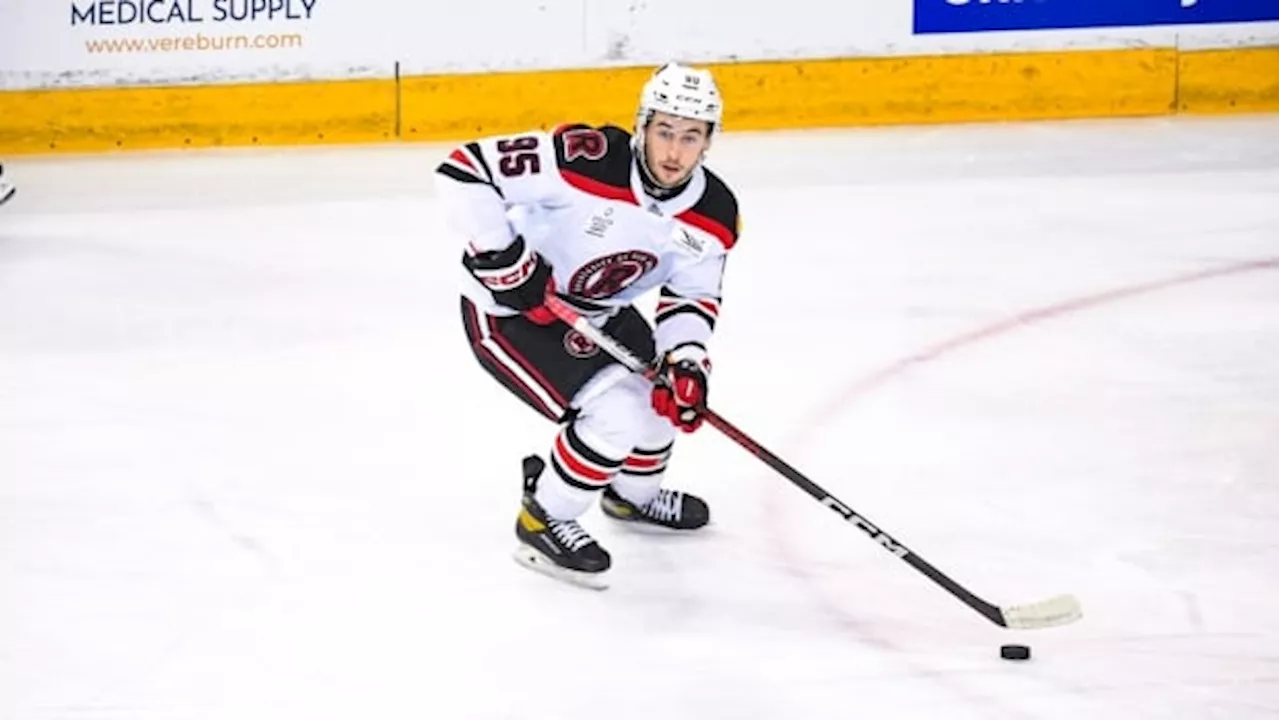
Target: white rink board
60, 43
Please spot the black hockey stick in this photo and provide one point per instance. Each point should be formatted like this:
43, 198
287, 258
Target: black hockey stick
1058, 610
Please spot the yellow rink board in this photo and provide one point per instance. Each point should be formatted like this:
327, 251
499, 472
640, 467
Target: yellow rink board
758, 96
78, 120
1222, 81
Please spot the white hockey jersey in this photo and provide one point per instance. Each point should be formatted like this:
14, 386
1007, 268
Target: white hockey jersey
576, 196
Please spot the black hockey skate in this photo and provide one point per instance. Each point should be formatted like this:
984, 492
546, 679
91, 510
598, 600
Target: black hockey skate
668, 509
558, 548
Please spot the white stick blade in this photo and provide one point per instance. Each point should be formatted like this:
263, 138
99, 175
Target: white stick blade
1059, 610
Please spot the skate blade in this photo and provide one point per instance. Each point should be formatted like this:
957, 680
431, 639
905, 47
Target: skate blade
640, 527
537, 562
644, 527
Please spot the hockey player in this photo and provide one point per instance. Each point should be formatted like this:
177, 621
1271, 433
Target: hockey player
600, 217
7, 189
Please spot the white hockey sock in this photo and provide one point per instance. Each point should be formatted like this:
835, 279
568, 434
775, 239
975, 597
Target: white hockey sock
561, 500
641, 475
637, 489
578, 472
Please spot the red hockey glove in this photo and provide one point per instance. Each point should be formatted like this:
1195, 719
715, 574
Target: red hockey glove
685, 369
518, 278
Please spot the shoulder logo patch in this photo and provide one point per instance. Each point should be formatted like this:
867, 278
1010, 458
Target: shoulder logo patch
686, 240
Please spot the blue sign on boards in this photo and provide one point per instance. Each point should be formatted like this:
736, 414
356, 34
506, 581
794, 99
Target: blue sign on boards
944, 16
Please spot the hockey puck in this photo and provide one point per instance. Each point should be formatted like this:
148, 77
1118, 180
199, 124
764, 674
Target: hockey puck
1015, 652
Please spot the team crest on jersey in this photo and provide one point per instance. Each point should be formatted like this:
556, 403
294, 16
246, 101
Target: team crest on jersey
609, 275
579, 345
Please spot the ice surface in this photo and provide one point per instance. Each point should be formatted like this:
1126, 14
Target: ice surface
249, 469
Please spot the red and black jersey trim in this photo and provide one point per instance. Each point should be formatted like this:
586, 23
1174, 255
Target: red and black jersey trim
671, 304
466, 164
474, 149
716, 212
590, 185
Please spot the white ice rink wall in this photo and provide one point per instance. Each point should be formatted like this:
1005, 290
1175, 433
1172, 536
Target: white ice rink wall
104, 74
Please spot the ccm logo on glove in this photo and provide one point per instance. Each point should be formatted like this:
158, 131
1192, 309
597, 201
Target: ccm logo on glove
518, 278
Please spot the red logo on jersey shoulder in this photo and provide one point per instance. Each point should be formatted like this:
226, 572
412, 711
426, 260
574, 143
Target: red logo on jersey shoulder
586, 143
610, 274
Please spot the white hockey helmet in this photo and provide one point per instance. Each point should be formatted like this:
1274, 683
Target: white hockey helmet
682, 91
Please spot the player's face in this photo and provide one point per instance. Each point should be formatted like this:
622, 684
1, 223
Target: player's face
673, 146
